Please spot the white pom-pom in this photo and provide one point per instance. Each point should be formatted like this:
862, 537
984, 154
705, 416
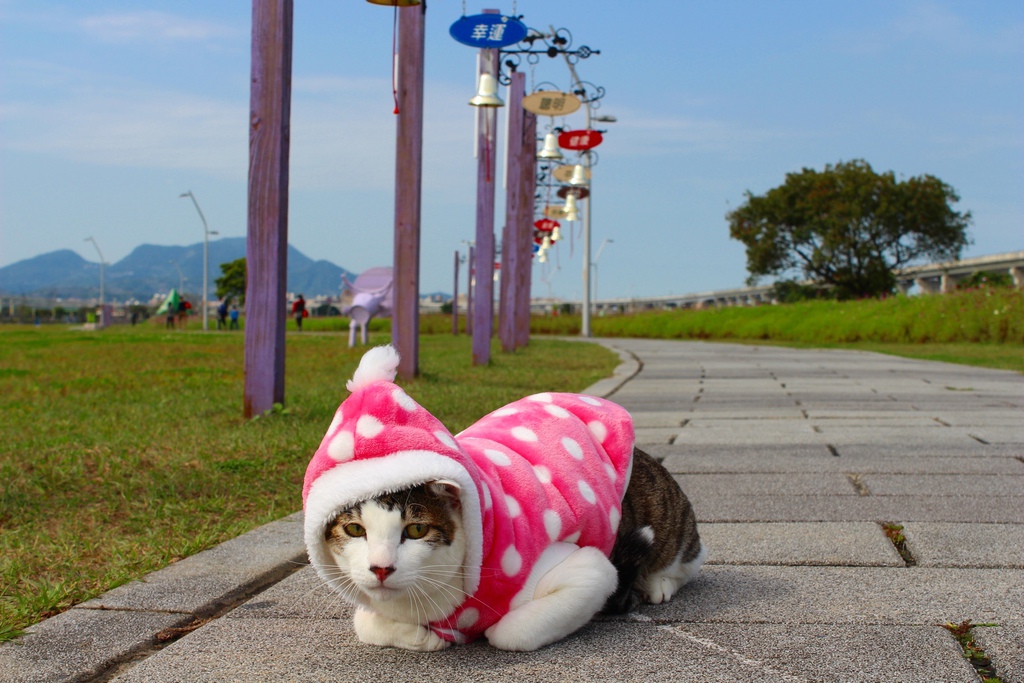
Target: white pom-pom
379, 364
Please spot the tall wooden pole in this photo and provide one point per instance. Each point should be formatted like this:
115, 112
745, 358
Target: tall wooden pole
527, 187
470, 265
266, 249
513, 233
455, 297
405, 325
483, 297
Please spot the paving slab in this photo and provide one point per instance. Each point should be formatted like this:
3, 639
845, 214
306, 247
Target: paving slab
945, 484
327, 650
767, 484
681, 458
810, 652
935, 544
719, 507
205, 581
80, 644
859, 544
1005, 646
846, 595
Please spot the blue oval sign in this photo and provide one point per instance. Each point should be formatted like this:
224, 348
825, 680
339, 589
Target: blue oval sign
488, 30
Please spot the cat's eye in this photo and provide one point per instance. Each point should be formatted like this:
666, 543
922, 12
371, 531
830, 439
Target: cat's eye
355, 530
415, 531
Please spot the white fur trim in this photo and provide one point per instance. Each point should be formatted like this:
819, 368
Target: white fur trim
343, 486
379, 364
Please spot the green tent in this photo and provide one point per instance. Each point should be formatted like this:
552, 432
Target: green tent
170, 304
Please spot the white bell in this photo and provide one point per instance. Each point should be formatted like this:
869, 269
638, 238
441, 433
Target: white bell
546, 243
487, 94
579, 176
551, 150
571, 213
556, 234
542, 255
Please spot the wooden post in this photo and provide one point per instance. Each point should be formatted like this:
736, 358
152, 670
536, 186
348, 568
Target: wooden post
455, 297
405, 321
527, 187
483, 301
470, 265
266, 248
513, 232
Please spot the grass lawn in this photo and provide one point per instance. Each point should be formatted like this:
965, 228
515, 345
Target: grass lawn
124, 450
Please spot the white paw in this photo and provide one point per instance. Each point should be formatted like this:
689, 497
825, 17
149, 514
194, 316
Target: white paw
374, 629
660, 589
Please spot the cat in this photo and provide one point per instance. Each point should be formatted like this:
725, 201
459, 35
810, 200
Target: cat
400, 558
657, 548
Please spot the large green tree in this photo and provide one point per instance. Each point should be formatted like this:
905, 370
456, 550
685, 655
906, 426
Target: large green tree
232, 283
848, 227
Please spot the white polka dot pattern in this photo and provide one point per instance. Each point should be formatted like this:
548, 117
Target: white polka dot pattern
497, 457
468, 617
511, 561
524, 434
368, 426
542, 398
614, 516
552, 524
590, 400
342, 446
404, 401
543, 474
447, 440
514, 510
572, 447
587, 492
599, 431
557, 411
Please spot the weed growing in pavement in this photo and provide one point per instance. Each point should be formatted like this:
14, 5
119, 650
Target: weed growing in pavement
963, 632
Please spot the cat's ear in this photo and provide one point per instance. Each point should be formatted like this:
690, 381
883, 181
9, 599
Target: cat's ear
448, 489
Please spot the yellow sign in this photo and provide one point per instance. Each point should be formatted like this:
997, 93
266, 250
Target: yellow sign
551, 103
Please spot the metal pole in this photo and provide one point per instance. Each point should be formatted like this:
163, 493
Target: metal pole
102, 266
206, 259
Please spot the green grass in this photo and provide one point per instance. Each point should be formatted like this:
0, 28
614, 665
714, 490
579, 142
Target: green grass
976, 327
124, 450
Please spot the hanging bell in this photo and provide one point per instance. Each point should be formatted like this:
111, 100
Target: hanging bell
542, 255
571, 213
551, 150
556, 234
579, 177
546, 242
487, 93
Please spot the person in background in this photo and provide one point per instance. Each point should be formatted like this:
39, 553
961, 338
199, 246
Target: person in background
222, 315
299, 311
234, 317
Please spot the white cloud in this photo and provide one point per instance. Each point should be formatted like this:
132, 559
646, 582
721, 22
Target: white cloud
150, 25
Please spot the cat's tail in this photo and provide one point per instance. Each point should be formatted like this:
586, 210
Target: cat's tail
629, 554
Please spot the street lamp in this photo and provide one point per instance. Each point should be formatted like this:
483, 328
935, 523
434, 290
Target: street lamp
181, 279
102, 266
596, 259
206, 259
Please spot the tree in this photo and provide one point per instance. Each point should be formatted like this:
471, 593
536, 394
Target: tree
849, 227
232, 282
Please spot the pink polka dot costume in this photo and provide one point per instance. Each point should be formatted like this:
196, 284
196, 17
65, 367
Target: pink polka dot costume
549, 468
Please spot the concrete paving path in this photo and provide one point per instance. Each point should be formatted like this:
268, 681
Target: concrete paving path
795, 461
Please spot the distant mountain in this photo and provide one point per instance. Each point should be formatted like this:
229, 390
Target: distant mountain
152, 269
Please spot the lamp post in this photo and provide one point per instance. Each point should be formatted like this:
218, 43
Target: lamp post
596, 259
102, 266
206, 258
181, 278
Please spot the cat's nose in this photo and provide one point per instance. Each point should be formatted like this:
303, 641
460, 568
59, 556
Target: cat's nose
382, 572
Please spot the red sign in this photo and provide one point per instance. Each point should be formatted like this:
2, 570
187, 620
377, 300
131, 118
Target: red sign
546, 225
580, 139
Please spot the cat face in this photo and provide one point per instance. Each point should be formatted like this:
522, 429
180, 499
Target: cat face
402, 550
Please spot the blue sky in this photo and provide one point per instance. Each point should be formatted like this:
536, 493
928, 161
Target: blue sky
111, 109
